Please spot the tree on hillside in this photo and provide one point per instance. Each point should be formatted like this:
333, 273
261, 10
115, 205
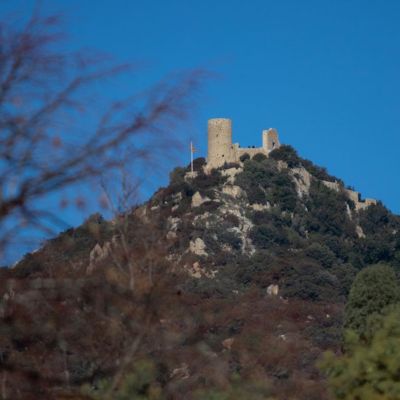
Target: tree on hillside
368, 371
59, 126
373, 289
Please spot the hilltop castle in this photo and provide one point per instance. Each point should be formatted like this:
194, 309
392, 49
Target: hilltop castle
221, 150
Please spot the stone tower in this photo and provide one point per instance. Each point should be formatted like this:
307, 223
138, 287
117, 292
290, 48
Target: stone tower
270, 140
220, 148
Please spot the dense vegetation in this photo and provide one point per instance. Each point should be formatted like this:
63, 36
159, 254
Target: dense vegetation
370, 367
182, 303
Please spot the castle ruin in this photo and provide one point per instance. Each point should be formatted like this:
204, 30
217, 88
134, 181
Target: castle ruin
221, 150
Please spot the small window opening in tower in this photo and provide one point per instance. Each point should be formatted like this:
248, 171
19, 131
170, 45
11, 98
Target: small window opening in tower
273, 144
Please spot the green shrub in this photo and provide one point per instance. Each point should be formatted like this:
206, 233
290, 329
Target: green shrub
327, 212
207, 206
254, 269
232, 220
283, 192
255, 179
259, 157
238, 389
231, 165
28, 266
368, 371
244, 157
266, 235
140, 383
221, 286
288, 154
374, 218
274, 217
177, 176
322, 254
376, 248
319, 172
345, 273
263, 183
307, 280
230, 238
198, 164
373, 289
339, 246
202, 182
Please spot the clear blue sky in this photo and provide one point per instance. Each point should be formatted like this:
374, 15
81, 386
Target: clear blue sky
325, 73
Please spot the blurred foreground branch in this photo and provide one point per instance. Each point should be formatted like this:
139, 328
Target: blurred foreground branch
57, 130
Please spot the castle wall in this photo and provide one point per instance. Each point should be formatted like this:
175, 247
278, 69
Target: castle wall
352, 195
250, 151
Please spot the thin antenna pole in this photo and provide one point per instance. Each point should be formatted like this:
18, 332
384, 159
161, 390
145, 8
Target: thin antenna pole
191, 156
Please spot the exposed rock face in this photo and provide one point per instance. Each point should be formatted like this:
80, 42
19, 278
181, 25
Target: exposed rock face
141, 213
227, 219
198, 247
230, 173
260, 207
197, 271
190, 175
272, 290
245, 224
359, 231
97, 254
234, 191
227, 343
172, 226
171, 235
282, 165
198, 200
180, 373
302, 179
177, 198
173, 223
332, 185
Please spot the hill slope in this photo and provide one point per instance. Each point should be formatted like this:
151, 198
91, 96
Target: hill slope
229, 283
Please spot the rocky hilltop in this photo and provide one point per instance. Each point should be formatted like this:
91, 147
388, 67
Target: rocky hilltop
229, 282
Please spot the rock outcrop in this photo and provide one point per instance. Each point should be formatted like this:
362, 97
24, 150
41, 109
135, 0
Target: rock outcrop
198, 247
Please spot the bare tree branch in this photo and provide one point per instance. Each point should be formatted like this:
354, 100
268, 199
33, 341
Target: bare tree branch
52, 136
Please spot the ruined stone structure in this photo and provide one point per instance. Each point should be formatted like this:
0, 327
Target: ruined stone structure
355, 197
221, 150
